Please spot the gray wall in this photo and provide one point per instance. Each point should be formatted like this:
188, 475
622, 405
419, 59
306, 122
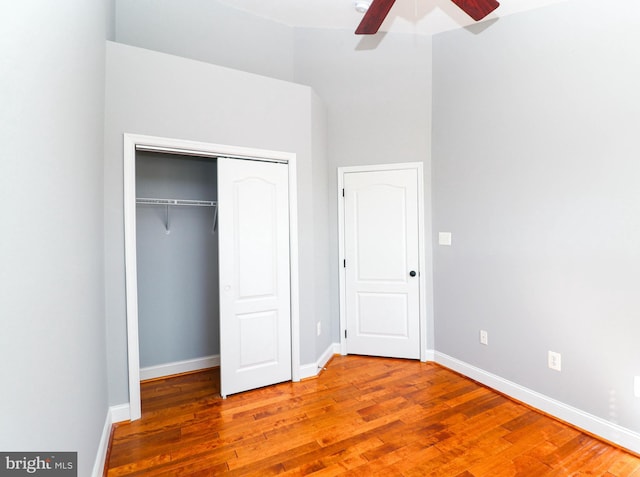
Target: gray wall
161, 95
377, 92
52, 346
320, 174
178, 310
536, 174
208, 31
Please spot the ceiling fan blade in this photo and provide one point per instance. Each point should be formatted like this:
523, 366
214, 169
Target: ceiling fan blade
477, 9
374, 17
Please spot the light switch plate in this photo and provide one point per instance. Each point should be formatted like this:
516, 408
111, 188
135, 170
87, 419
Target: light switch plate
444, 238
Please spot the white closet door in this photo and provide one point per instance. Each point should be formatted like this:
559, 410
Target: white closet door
255, 318
382, 276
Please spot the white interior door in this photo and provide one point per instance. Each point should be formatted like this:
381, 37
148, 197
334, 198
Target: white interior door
381, 270
253, 231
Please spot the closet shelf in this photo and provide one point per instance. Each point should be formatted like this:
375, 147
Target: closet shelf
199, 203
181, 202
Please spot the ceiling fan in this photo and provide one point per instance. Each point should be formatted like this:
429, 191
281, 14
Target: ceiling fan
378, 10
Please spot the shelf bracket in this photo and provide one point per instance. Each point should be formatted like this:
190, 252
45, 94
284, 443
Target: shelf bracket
166, 219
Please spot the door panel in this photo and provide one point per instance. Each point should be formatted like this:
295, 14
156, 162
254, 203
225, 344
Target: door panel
259, 346
376, 215
255, 318
381, 249
256, 232
374, 309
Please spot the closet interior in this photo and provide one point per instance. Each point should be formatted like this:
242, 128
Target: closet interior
177, 261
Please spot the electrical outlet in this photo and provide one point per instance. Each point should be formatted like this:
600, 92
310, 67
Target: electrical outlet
636, 386
555, 361
318, 328
484, 337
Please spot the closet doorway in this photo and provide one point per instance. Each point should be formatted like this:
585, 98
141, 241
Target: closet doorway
254, 218
177, 263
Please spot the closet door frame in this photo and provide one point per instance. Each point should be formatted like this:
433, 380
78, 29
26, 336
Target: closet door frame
134, 143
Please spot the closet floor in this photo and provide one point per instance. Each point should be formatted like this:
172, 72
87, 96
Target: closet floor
362, 416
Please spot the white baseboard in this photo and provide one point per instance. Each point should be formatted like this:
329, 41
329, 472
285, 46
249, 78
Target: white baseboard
430, 355
115, 414
593, 424
178, 367
310, 370
103, 447
120, 413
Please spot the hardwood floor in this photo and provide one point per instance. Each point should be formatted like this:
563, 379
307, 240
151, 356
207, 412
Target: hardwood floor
362, 416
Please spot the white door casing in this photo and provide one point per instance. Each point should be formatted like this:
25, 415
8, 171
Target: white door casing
382, 302
255, 331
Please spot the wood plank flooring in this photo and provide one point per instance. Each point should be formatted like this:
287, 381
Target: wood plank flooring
362, 416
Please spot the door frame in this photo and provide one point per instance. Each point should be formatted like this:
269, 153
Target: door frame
422, 276
136, 142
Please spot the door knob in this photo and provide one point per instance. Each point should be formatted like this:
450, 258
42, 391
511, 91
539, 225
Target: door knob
412, 273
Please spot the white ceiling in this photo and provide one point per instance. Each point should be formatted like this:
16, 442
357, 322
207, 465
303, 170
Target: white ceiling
407, 16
